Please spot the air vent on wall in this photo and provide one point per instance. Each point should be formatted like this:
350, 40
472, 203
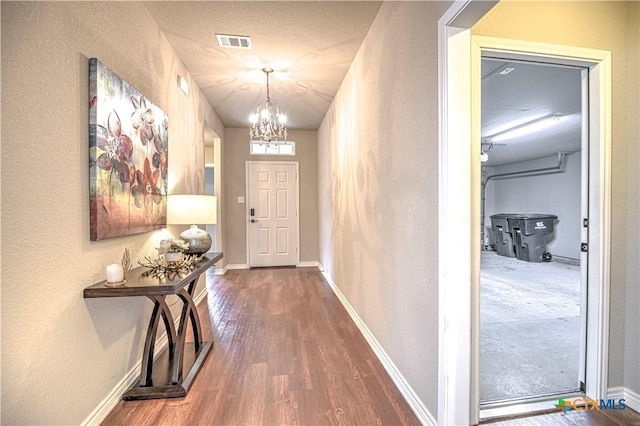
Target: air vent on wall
228, 41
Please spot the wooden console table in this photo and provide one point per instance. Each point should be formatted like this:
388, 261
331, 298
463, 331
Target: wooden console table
164, 378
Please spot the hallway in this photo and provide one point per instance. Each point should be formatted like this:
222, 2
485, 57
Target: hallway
285, 352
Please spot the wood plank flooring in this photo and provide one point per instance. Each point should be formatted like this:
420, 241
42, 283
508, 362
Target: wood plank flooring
285, 353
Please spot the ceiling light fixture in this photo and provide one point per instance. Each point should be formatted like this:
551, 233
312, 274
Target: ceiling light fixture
526, 128
487, 146
267, 123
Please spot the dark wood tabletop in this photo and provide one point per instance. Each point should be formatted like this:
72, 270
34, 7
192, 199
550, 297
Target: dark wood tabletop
139, 284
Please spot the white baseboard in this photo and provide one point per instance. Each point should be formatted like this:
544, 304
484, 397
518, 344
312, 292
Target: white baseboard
221, 271
199, 297
103, 409
237, 266
631, 398
416, 404
302, 264
105, 406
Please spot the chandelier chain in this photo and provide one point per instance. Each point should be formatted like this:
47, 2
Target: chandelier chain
267, 72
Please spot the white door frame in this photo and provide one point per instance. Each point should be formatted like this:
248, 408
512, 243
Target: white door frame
247, 206
459, 207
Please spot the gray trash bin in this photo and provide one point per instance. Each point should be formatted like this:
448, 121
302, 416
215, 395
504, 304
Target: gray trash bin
529, 233
502, 232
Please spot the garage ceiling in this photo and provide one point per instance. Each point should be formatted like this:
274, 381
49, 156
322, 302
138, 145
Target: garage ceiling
517, 93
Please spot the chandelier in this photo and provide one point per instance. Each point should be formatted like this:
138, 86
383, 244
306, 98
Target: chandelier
267, 123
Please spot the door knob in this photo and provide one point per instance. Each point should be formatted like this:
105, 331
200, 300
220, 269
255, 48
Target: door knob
254, 221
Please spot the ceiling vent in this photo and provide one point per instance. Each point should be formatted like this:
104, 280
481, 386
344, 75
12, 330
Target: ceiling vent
227, 41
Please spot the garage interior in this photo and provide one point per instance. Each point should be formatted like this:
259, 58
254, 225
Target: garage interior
531, 333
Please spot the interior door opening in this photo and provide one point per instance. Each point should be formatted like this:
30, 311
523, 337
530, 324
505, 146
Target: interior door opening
212, 179
459, 209
534, 200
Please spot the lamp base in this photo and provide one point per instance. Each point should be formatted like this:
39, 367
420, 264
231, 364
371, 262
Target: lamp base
199, 240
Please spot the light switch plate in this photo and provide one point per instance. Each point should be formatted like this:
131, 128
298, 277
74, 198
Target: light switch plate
240, 200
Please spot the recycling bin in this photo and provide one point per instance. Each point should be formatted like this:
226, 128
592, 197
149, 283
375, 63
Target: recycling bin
502, 232
529, 233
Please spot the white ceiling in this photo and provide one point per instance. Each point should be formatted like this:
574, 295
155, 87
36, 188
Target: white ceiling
309, 44
530, 90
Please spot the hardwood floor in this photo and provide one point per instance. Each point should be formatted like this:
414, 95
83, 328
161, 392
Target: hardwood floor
285, 353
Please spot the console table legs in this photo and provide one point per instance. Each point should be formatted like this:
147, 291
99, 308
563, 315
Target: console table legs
172, 384
159, 306
188, 312
168, 374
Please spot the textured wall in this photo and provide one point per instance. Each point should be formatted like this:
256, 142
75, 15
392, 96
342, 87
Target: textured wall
62, 354
612, 26
378, 188
236, 152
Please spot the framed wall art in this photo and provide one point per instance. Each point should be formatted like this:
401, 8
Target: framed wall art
128, 158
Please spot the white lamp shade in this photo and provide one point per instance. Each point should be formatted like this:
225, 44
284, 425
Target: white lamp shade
192, 209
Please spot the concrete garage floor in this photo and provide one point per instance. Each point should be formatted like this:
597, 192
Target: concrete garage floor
529, 328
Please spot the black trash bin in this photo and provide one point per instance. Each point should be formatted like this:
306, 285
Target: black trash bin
502, 232
529, 233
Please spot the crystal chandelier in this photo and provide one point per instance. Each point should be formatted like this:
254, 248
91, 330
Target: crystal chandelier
267, 123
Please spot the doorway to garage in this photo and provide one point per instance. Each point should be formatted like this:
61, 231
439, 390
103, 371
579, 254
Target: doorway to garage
533, 202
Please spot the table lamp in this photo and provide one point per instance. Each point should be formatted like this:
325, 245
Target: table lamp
192, 210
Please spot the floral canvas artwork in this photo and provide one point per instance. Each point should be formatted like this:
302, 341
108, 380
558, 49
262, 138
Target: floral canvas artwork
128, 157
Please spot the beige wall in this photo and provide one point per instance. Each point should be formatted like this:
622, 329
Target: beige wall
612, 26
62, 354
236, 152
378, 188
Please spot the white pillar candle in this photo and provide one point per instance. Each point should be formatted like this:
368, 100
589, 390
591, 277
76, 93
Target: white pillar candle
115, 273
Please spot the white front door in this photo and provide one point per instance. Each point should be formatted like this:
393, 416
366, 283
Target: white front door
272, 213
